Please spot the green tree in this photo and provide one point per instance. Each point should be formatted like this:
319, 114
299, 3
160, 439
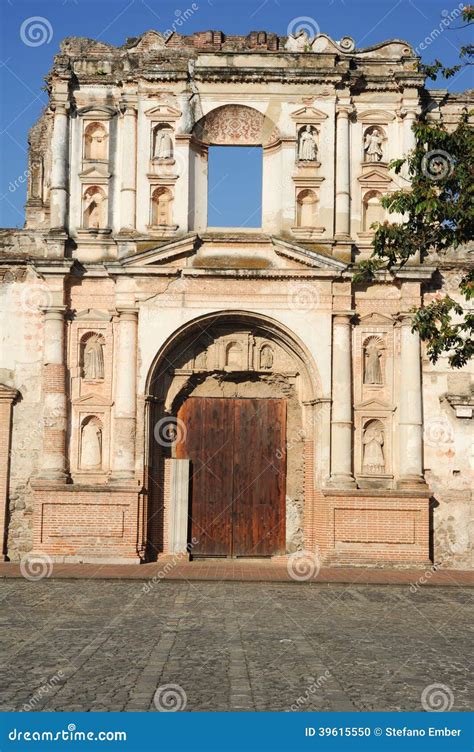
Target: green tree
438, 215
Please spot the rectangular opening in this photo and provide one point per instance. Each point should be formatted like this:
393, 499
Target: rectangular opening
235, 186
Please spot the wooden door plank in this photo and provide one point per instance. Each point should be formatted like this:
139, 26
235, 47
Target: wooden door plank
259, 480
208, 443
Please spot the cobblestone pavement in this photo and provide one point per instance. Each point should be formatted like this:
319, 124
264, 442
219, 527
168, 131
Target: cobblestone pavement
108, 645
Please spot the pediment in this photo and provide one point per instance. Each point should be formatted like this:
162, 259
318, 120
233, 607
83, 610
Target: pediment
95, 172
375, 116
92, 400
375, 405
307, 257
308, 115
163, 112
92, 314
97, 112
377, 175
217, 254
376, 318
164, 254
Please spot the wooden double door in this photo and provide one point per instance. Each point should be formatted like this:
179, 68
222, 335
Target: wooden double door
238, 475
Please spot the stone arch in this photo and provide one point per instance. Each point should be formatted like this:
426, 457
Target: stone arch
161, 207
306, 208
95, 141
373, 210
236, 125
310, 380
194, 362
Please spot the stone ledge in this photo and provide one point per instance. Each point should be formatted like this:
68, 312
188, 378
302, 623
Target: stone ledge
378, 493
39, 485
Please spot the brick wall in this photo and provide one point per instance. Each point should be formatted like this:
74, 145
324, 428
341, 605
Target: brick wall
372, 527
87, 523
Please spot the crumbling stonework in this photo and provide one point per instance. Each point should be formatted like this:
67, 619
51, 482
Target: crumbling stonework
118, 302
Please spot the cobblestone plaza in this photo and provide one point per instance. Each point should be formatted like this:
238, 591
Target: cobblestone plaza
103, 645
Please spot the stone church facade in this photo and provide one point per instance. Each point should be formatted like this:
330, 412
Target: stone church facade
169, 386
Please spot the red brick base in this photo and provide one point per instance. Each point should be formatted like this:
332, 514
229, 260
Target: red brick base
87, 523
102, 524
367, 527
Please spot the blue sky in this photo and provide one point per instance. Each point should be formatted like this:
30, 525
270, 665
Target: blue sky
23, 66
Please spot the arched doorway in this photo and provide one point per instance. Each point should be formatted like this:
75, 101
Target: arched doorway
227, 398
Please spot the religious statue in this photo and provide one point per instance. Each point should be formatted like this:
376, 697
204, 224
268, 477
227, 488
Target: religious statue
93, 359
94, 211
373, 146
91, 444
372, 369
163, 144
373, 441
307, 149
266, 357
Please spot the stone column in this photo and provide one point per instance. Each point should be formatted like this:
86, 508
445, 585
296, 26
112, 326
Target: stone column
123, 463
409, 140
343, 202
54, 464
410, 407
7, 397
341, 420
59, 167
128, 191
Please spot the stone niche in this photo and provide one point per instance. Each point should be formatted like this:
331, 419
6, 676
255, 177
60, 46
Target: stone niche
373, 401
228, 362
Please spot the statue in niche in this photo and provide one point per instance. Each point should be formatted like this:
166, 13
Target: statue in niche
373, 145
372, 367
163, 144
307, 149
373, 441
93, 359
94, 211
91, 444
266, 357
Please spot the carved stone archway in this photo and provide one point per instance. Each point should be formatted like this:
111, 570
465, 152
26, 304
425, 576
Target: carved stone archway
236, 125
231, 356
